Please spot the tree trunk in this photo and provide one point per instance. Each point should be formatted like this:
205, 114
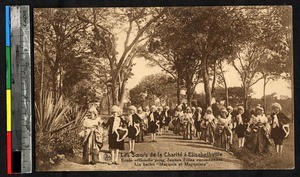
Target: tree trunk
245, 97
207, 88
264, 94
178, 91
214, 80
188, 93
226, 94
114, 92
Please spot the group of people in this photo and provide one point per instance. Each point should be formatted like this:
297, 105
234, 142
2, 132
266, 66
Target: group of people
217, 125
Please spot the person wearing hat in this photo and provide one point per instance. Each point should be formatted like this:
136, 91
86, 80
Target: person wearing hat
197, 122
92, 134
210, 122
178, 116
187, 122
153, 121
223, 131
279, 127
242, 120
140, 136
257, 133
116, 133
133, 127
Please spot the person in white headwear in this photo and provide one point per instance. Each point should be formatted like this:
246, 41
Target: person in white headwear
116, 133
210, 122
153, 121
257, 134
92, 134
187, 123
223, 131
178, 116
242, 120
133, 127
279, 127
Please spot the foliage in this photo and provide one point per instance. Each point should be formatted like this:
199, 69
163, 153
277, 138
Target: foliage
265, 53
158, 85
56, 127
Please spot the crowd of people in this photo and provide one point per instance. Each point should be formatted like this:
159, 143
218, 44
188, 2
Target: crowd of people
216, 125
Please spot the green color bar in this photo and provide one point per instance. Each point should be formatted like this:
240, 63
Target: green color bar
8, 68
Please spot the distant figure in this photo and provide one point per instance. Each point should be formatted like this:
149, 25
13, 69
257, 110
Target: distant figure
167, 116
241, 126
187, 122
198, 120
161, 120
216, 108
279, 127
178, 116
143, 127
210, 121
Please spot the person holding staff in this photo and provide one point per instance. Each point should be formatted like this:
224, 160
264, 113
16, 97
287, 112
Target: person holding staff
279, 127
153, 121
116, 133
133, 127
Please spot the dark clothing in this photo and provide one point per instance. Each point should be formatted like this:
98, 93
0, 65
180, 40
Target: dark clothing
256, 139
131, 129
197, 121
153, 127
277, 132
166, 116
240, 129
112, 136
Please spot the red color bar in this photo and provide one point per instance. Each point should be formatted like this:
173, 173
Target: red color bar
9, 152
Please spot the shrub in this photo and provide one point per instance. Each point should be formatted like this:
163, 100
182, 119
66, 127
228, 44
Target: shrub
57, 127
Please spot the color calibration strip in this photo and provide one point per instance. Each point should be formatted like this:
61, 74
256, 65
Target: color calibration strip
8, 92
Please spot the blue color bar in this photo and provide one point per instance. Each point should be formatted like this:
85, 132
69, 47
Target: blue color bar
7, 25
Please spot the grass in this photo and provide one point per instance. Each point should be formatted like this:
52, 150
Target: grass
271, 160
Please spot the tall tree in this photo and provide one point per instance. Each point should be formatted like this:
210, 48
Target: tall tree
262, 55
134, 23
56, 41
208, 32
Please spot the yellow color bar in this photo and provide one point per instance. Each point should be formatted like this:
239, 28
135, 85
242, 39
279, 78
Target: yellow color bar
8, 110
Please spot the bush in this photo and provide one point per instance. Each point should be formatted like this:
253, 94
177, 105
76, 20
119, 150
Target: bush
57, 127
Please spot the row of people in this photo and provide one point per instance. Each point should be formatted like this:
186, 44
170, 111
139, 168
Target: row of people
253, 130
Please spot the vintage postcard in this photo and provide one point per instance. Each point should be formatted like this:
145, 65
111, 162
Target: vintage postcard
163, 88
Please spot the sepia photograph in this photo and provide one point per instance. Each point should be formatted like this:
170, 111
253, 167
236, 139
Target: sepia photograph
163, 88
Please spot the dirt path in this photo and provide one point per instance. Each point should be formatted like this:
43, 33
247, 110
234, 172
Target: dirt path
170, 152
